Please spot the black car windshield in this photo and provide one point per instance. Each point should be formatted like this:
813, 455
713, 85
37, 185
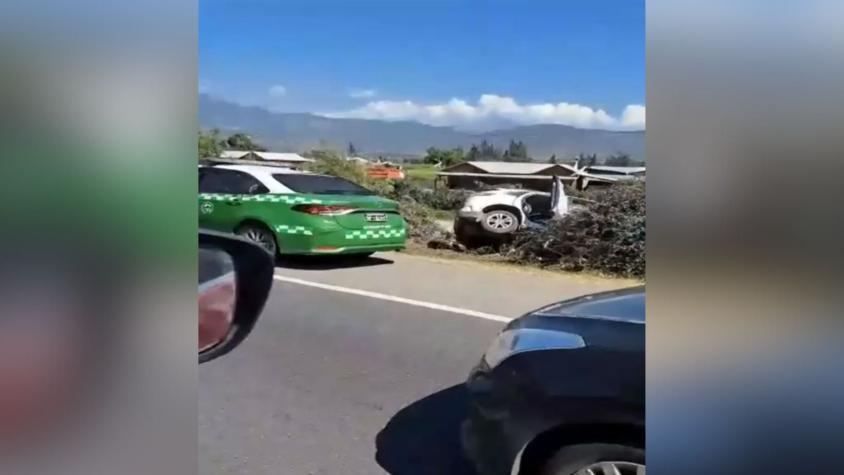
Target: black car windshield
320, 184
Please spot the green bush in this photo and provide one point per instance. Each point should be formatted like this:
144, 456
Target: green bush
608, 236
331, 163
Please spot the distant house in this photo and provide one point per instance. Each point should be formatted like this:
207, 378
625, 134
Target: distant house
531, 175
267, 158
616, 171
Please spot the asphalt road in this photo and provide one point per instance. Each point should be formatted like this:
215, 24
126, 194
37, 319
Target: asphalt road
355, 368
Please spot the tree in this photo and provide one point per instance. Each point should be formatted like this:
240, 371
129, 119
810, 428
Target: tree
474, 153
209, 144
618, 160
517, 150
512, 149
455, 156
352, 151
553, 159
489, 152
433, 155
586, 160
241, 141
444, 157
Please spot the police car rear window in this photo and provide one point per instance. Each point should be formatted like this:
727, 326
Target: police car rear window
320, 184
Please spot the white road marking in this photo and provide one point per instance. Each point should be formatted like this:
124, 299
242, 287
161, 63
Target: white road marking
394, 298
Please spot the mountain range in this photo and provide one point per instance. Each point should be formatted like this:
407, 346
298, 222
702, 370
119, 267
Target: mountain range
299, 132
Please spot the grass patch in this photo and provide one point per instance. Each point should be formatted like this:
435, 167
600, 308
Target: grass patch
422, 173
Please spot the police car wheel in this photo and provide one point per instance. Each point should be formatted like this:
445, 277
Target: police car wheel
260, 236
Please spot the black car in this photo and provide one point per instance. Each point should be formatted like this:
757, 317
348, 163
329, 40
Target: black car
561, 391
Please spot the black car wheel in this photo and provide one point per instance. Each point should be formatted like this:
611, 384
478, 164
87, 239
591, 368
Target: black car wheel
596, 459
259, 235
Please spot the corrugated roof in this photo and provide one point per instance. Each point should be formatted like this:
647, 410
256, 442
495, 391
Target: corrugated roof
233, 154
604, 178
624, 170
269, 156
284, 157
514, 168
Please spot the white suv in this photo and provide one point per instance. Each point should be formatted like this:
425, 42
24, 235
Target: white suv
492, 215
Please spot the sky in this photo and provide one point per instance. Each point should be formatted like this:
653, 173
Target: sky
470, 64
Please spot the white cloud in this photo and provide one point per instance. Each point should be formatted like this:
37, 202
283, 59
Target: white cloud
362, 93
633, 117
493, 110
277, 90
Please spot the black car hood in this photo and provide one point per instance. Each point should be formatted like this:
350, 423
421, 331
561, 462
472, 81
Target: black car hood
627, 305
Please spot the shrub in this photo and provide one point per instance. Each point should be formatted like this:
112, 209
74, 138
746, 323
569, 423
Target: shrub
332, 164
440, 198
607, 236
421, 221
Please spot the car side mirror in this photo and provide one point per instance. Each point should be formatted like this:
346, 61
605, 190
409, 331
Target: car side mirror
235, 277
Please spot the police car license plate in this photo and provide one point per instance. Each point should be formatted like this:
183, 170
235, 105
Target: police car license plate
376, 217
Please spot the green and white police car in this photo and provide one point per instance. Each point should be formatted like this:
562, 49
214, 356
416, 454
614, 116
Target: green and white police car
294, 212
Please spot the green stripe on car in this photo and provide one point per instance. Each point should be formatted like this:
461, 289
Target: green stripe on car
289, 199
283, 228
375, 233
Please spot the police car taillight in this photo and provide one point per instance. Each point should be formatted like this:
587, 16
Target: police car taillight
323, 210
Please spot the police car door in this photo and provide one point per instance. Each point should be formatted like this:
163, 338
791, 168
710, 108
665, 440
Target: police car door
219, 199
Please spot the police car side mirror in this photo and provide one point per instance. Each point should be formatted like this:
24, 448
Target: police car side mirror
235, 277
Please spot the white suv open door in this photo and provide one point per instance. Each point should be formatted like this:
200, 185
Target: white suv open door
559, 200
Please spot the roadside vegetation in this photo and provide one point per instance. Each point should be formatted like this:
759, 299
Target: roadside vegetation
608, 236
